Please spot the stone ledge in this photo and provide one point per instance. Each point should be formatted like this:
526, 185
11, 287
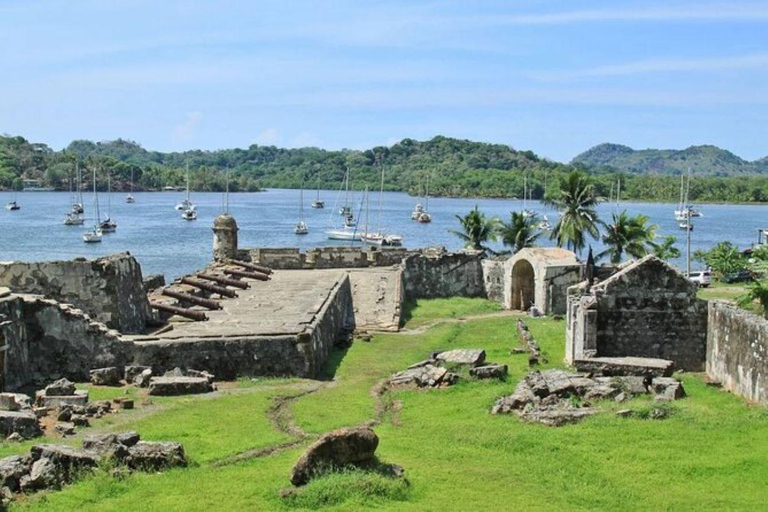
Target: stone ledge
618, 366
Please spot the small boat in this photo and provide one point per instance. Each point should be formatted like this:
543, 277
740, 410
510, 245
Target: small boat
317, 203
93, 236
73, 219
13, 206
380, 237
527, 212
186, 204
301, 227
189, 214
348, 234
129, 198
686, 226
544, 224
425, 218
684, 209
108, 225
417, 211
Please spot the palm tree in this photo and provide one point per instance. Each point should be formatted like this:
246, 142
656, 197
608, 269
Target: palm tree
476, 230
666, 250
630, 235
757, 291
520, 232
577, 202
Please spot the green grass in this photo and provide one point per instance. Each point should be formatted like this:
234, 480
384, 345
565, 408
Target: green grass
419, 312
710, 453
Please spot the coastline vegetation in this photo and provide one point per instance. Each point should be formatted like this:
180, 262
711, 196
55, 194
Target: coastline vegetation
453, 167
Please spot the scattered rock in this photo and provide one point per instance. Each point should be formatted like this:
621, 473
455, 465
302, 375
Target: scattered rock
23, 422
200, 374
338, 448
65, 414
43, 475
490, 371
12, 469
428, 376
142, 380
129, 438
100, 407
41, 411
621, 397
173, 386
109, 376
658, 413
518, 350
80, 420
516, 401
555, 416
68, 459
65, 428
15, 437
14, 402
472, 357
126, 404
132, 372
61, 387
668, 389
155, 455
624, 413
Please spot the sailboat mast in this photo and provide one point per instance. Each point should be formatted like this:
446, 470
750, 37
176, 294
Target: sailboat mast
381, 196
109, 195
187, 183
426, 195
96, 198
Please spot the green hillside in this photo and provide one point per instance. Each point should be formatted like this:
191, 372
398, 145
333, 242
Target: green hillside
703, 160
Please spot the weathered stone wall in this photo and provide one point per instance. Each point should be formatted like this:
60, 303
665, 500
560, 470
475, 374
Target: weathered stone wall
647, 309
439, 274
301, 354
47, 340
325, 257
493, 275
737, 350
557, 280
109, 289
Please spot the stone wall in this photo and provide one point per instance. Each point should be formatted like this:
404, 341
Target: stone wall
302, 354
648, 309
493, 275
47, 340
325, 257
108, 289
737, 350
438, 274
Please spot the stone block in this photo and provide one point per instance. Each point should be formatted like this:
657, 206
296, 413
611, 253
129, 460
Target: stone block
472, 357
80, 398
490, 371
133, 371
155, 455
109, 376
14, 401
12, 469
23, 422
61, 387
173, 386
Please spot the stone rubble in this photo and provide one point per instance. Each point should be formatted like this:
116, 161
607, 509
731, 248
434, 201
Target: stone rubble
432, 372
490, 371
525, 337
461, 356
110, 376
50, 466
174, 386
546, 397
335, 449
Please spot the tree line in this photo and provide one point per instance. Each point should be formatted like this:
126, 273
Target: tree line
441, 166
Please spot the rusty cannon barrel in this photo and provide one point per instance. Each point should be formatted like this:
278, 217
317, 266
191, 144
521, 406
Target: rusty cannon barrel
226, 281
249, 275
252, 266
198, 301
186, 313
209, 287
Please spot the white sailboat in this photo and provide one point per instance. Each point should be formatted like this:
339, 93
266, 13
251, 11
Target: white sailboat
425, 217
317, 203
73, 218
684, 210
77, 201
108, 225
13, 205
349, 232
190, 213
380, 237
346, 209
94, 235
186, 204
129, 198
301, 227
527, 212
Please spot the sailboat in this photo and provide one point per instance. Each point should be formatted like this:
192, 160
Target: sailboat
13, 205
380, 237
301, 227
73, 218
684, 210
425, 217
77, 202
129, 198
94, 235
317, 203
189, 211
349, 232
108, 225
185, 204
527, 212
346, 210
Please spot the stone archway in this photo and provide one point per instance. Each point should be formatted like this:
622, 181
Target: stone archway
523, 285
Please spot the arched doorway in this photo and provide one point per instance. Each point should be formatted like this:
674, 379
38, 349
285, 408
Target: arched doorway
522, 285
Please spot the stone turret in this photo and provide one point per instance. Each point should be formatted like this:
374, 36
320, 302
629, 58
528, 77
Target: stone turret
224, 237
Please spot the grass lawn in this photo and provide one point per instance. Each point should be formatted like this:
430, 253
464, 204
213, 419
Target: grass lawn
711, 453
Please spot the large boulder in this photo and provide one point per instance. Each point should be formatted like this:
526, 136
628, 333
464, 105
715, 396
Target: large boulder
61, 387
109, 376
22, 422
490, 371
338, 448
45, 474
155, 455
68, 460
172, 386
134, 371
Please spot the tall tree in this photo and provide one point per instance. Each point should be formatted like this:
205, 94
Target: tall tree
577, 201
476, 230
520, 232
628, 235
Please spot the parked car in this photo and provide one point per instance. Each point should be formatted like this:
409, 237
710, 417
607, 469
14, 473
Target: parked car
702, 278
742, 276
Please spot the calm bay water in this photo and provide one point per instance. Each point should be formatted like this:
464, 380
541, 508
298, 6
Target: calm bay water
164, 243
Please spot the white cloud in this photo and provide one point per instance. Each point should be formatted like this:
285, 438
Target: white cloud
268, 137
186, 130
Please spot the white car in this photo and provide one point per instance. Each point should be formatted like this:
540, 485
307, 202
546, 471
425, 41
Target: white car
701, 277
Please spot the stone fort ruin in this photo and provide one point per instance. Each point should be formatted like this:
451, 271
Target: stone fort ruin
267, 311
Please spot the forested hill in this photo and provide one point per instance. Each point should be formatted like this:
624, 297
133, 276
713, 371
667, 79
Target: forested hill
703, 160
449, 167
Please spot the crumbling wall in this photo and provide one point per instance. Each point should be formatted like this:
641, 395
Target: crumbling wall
325, 257
493, 276
108, 289
737, 350
47, 340
557, 280
439, 274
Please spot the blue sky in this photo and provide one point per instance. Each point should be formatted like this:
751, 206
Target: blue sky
556, 77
